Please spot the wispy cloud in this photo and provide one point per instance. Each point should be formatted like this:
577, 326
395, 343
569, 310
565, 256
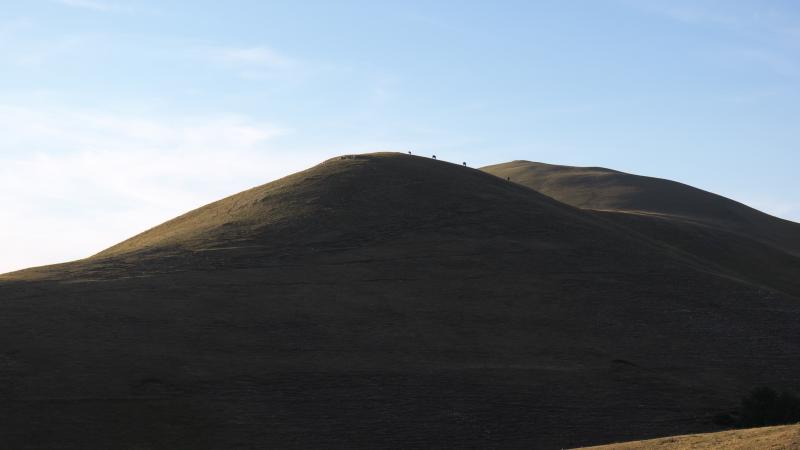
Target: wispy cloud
88, 4
75, 182
762, 19
689, 12
68, 130
260, 56
777, 62
8, 27
759, 35
41, 53
105, 6
252, 63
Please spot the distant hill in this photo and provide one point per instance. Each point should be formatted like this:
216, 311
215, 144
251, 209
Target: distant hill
385, 300
725, 234
609, 190
784, 438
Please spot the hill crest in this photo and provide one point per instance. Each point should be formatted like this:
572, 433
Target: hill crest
380, 187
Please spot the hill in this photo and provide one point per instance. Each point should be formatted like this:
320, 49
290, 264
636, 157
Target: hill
383, 300
734, 238
778, 438
603, 189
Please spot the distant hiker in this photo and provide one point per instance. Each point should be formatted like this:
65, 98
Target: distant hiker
434, 156
508, 178
464, 163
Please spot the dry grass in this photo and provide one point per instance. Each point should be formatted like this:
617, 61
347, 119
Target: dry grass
768, 438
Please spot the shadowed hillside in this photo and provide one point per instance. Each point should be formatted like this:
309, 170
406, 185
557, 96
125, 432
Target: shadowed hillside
383, 300
719, 232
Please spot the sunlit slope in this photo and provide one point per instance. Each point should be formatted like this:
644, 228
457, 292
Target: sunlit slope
351, 201
380, 301
775, 438
396, 193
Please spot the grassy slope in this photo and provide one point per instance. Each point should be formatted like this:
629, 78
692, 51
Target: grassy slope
382, 300
773, 438
603, 189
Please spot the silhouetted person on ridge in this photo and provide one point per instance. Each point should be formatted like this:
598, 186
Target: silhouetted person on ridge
464, 163
434, 156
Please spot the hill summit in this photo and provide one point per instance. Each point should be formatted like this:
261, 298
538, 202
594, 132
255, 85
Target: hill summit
348, 194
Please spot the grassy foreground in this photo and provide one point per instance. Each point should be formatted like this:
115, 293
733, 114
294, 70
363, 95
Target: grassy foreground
774, 438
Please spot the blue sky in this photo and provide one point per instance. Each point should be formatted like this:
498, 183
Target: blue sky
119, 114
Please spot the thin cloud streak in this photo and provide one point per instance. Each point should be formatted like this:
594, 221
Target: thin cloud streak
103, 6
756, 18
252, 62
255, 55
248, 57
73, 130
95, 5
